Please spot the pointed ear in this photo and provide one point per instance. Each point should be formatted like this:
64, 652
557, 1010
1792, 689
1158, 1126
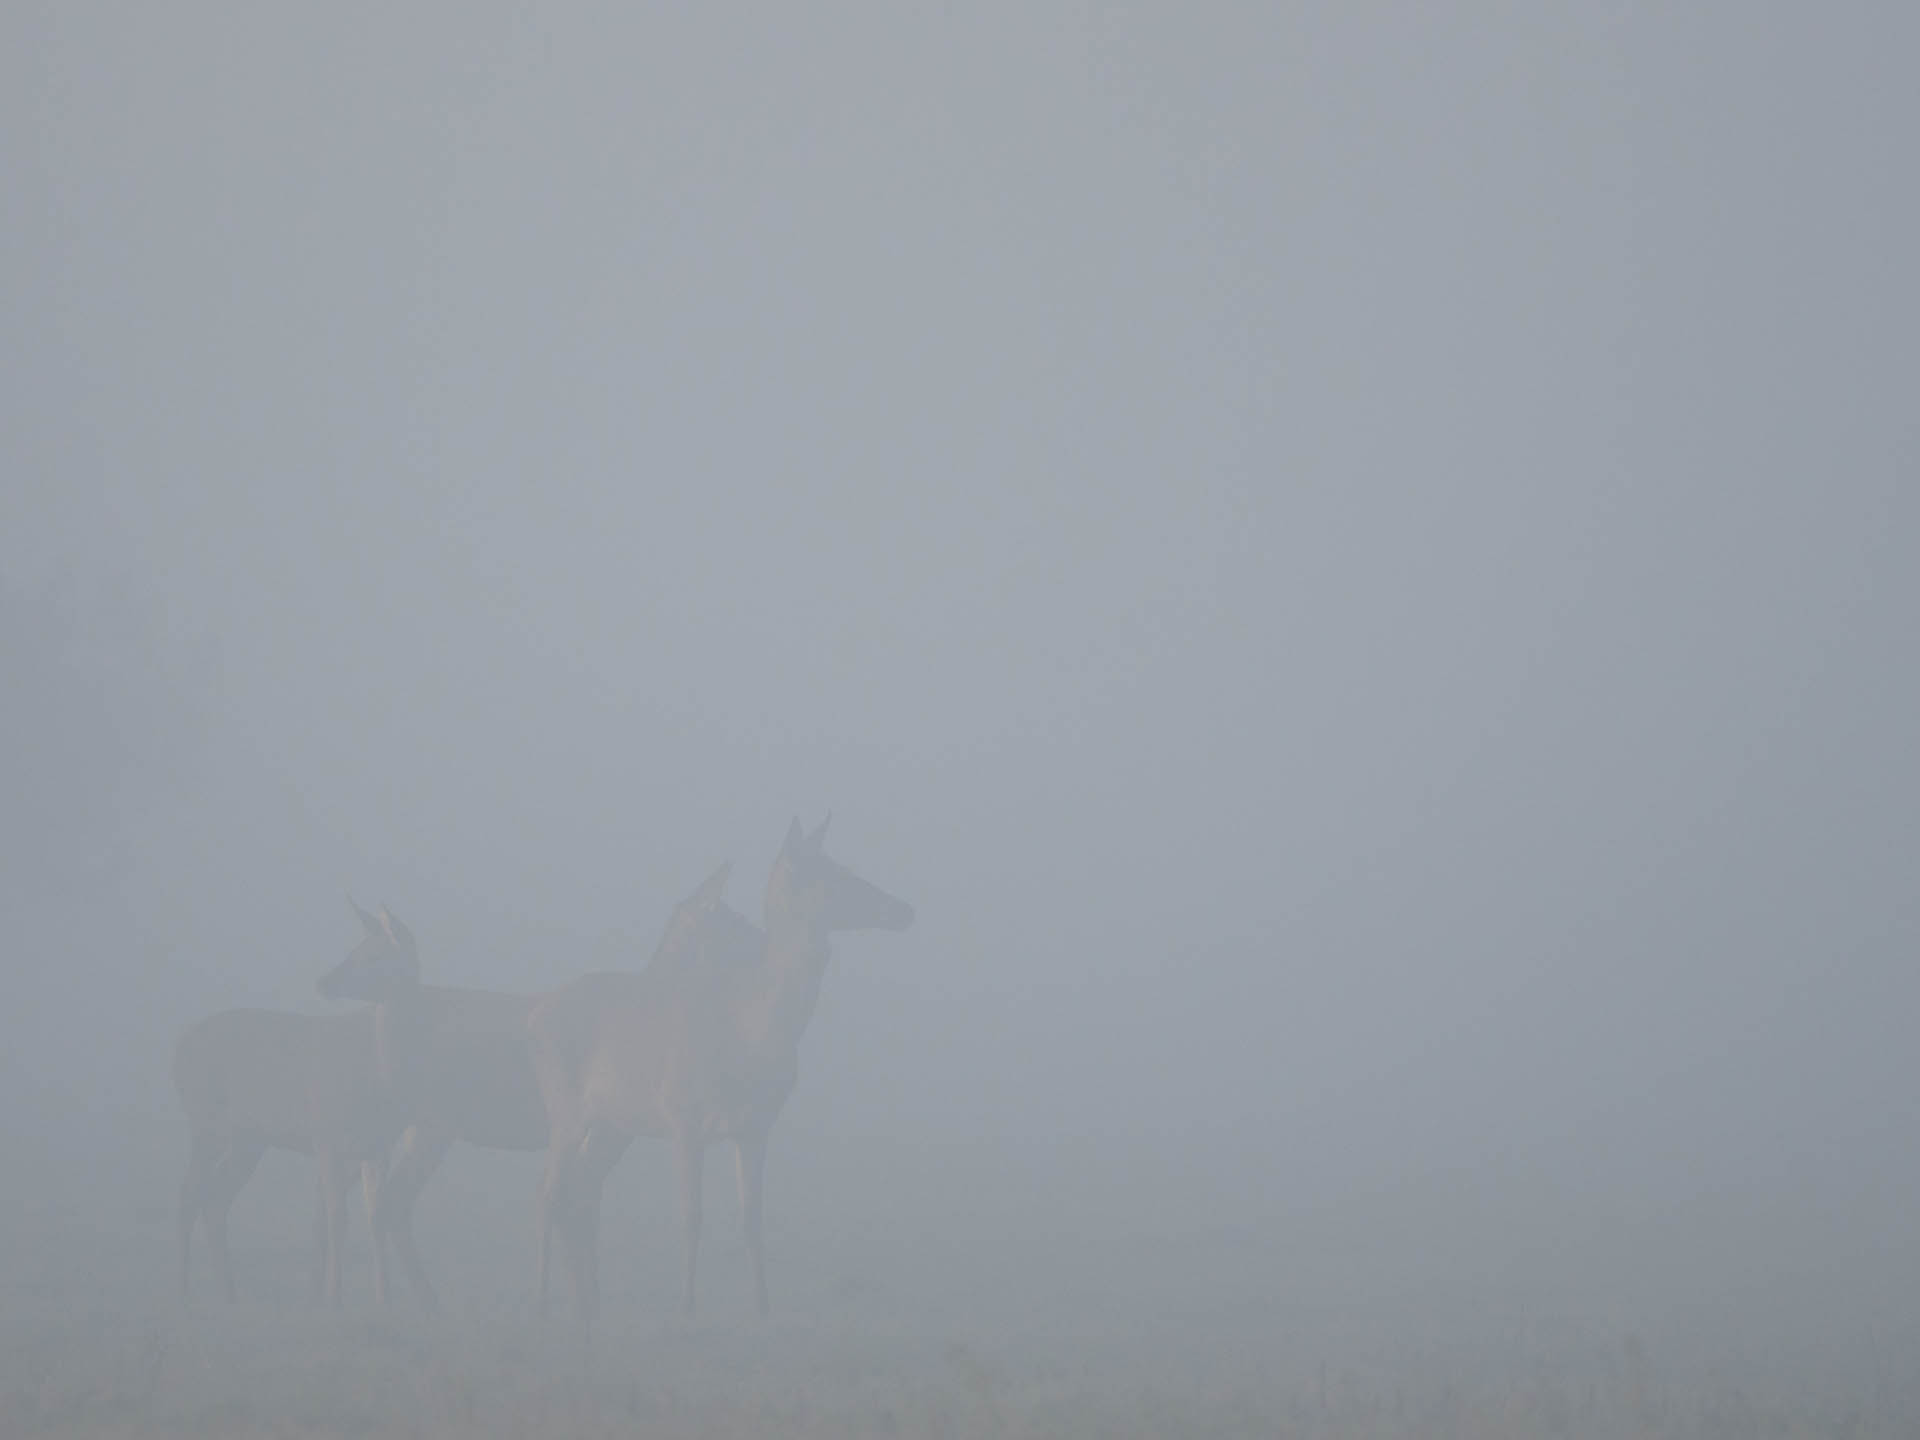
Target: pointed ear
795, 837
396, 931
370, 923
818, 840
714, 886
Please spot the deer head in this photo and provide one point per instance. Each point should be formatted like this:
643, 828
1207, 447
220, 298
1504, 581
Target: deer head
385, 961
808, 888
681, 939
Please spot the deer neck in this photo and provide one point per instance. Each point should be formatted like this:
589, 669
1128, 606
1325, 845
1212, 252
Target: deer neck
789, 989
399, 1026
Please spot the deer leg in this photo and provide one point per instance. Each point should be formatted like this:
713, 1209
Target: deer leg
689, 1157
559, 1186
319, 1239
193, 1188
334, 1178
582, 1236
586, 1177
420, 1154
750, 1163
230, 1175
547, 1210
373, 1188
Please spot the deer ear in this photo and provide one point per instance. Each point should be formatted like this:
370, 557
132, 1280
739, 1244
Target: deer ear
396, 931
795, 836
370, 923
715, 885
818, 840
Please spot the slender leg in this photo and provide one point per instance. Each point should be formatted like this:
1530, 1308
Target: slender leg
555, 1071
373, 1190
319, 1239
230, 1174
581, 1232
585, 1178
547, 1211
421, 1151
335, 1176
689, 1157
193, 1188
750, 1162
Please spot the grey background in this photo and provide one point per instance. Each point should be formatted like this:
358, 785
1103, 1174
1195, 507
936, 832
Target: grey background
1355, 562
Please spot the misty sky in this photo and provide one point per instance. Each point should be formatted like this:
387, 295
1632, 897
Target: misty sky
1357, 563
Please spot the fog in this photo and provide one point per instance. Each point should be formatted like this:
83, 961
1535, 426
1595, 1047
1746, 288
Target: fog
1356, 565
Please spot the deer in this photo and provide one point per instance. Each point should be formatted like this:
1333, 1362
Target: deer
701, 1050
330, 1086
476, 1084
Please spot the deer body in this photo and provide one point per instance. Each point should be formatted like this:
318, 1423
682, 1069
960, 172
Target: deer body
477, 1084
474, 1083
652, 1055
275, 1076
336, 1087
695, 1049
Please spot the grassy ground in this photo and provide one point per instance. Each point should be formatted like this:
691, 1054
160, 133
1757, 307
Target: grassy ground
960, 1299
269, 1371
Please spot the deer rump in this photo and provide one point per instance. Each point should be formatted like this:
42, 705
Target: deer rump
276, 1078
254, 1080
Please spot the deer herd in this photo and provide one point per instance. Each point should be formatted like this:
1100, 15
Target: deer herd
700, 1045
